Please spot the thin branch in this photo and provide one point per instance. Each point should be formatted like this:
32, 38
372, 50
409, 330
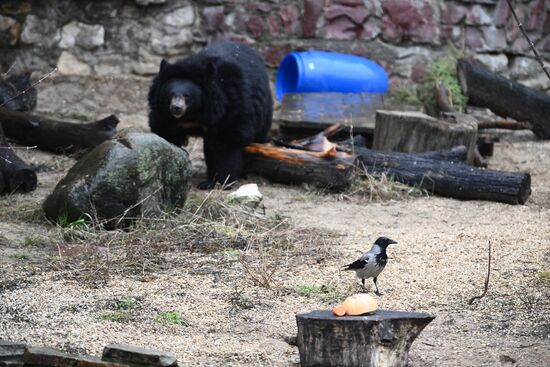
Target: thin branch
531, 44
486, 287
9, 69
29, 88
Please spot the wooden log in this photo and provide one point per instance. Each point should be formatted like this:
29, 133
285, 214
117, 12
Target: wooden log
15, 174
448, 178
331, 169
382, 339
55, 135
398, 131
505, 97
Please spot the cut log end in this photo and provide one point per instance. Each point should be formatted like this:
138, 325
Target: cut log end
382, 338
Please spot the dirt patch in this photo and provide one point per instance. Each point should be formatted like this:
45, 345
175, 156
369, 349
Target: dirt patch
229, 318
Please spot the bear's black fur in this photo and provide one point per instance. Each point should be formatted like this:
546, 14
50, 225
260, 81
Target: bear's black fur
221, 93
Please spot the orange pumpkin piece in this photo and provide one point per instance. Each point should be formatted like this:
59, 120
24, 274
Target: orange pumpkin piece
357, 304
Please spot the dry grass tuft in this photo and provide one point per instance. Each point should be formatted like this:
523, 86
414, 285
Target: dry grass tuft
208, 224
382, 188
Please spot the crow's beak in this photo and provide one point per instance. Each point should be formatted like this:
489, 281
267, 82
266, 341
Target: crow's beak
392, 242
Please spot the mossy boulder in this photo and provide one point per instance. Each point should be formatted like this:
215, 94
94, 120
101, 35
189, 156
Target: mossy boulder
134, 175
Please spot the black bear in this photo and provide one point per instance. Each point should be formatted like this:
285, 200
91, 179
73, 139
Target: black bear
222, 94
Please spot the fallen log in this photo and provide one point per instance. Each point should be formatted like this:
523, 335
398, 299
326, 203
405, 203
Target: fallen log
380, 339
448, 178
505, 97
55, 135
331, 169
15, 174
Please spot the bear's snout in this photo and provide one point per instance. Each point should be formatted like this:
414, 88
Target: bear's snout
177, 106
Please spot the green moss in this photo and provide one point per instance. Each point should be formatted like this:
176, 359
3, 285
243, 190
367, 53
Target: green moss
443, 71
171, 317
406, 94
116, 316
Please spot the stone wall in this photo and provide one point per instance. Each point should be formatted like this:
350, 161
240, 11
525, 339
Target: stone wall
131, 36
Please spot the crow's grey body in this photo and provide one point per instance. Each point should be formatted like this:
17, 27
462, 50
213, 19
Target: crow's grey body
372, 262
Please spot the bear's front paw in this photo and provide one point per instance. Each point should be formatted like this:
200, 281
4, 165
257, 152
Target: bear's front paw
207, 185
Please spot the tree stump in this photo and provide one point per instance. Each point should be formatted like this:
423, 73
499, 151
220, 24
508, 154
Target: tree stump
380, 339
415, 132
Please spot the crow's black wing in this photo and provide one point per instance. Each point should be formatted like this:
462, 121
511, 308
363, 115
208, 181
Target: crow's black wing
357, 264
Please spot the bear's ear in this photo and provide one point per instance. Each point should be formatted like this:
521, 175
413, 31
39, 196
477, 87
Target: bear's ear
163, 64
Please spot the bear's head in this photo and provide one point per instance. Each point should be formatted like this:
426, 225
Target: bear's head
179, 96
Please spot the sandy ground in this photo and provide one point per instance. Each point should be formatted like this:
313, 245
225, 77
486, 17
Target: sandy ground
438, 265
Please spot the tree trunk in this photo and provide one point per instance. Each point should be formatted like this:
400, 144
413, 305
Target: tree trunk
15, 174
382, 339
448, 178
505, 97
292, 166
398, 131
54, 135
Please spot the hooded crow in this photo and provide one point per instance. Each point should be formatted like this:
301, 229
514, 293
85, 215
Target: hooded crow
372, 262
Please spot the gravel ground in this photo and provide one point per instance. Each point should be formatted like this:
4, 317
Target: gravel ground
438, 265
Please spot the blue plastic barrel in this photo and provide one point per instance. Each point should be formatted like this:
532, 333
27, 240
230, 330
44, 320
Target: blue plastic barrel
322, 71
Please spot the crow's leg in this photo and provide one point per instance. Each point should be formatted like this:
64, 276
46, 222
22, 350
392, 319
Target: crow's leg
377, 291
363, 281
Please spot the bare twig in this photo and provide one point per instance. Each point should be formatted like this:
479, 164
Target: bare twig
9, 69
29, 88
486, 287
531, 44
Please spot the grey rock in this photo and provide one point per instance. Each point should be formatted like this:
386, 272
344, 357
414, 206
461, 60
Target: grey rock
136, 174
523, 67
496, 63
182, 17
84, 35
148, 2
146, 63
36, 30
139, 356
6, 23
171, 44
68, 64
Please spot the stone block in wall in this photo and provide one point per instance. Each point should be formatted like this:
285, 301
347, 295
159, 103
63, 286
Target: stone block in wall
496, 63
39, 31
69, 64
289, 15
214, 18
312, 12
486, 38
146, 63
478, 15
171, 44
452, 13
181, 17
410, 21
92, 361
83, 35
139, 356
523, 67
10, 31
149, 2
